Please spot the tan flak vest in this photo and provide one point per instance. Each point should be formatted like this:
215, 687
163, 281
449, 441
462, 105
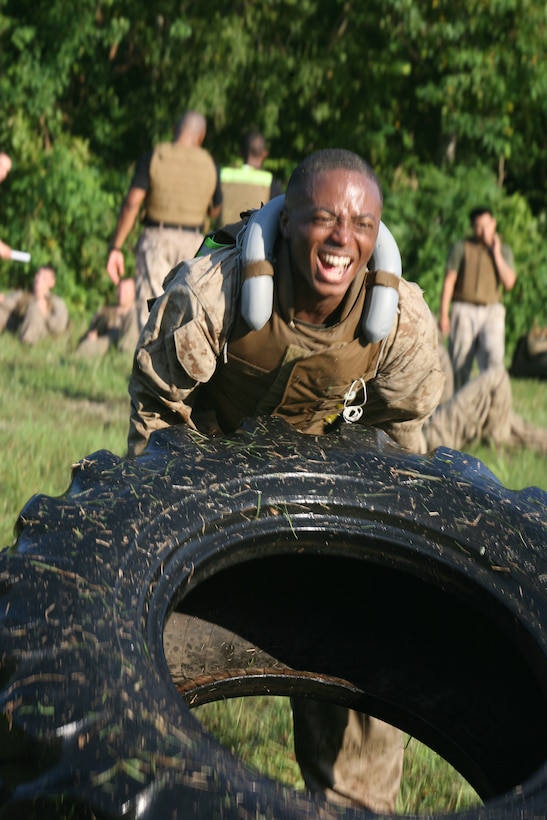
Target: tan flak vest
478, 280
182, 184
243, 188
300, 372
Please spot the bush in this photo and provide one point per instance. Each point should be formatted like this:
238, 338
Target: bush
62, 209
427, 211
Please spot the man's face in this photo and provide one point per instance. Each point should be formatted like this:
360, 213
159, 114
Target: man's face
484, 228
44, 280
331, 230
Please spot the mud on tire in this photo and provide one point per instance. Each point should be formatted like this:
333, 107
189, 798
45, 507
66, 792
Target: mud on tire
413, 588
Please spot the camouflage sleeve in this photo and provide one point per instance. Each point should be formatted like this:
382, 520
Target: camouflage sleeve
179, 346
409, 382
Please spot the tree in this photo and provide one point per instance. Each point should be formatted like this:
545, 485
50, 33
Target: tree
406, 83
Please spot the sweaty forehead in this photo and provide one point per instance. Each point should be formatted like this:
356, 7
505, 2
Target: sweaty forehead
342, 189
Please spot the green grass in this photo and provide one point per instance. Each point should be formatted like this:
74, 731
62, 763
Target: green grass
56, 409
259, 731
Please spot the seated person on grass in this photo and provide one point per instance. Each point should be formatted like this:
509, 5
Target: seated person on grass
113, 325
34, 315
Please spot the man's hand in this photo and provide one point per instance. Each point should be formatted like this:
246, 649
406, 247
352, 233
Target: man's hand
496, 244
115, 266
5, 250
505, 272
43, 305
449, 284
444, 325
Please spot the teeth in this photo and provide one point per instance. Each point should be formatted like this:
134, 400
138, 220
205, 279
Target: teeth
336, 261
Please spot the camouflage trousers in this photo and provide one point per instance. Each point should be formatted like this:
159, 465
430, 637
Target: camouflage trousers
476, 332
157, 252
349, 757
482, 410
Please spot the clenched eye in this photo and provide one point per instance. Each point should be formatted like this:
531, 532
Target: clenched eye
362, 225
324, 220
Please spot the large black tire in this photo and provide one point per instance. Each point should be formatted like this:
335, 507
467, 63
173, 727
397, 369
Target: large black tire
412, 588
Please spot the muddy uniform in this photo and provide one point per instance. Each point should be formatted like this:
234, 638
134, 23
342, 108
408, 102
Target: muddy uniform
197, 363
20, 313
196, 356
110, 328
181, 182
477, 318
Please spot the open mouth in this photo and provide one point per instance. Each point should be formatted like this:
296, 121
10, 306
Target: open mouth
333, 266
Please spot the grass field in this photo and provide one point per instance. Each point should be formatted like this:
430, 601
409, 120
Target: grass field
56, 409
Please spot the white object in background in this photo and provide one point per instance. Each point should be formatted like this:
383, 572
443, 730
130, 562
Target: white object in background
20, 256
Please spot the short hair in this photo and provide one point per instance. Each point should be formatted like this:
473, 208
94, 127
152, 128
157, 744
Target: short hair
328, 159
253, 144
479, 211
48, 269
47, 266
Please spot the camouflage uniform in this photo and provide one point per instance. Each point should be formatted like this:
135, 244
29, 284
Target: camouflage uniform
481, 410
186, 346
194, 337
157, 252
20, 313
112, 328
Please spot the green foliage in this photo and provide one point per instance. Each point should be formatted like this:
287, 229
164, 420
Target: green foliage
65, 218
382, 79
427, 209
447, 100
431, 87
